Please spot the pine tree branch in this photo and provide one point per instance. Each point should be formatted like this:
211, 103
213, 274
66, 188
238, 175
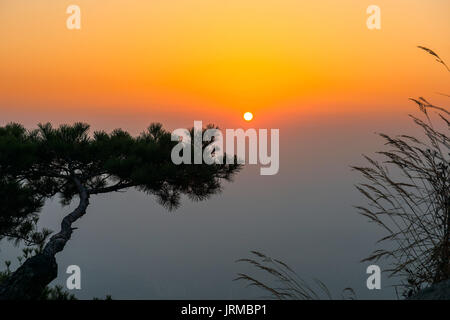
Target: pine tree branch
117, 187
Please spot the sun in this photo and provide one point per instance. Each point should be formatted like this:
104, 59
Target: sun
248, 116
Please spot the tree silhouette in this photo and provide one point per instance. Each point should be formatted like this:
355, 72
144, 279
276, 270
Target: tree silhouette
70, 163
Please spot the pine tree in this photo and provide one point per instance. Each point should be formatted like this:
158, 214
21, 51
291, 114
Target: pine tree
68, 162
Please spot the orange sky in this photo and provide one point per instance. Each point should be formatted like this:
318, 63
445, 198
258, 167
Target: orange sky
218, 57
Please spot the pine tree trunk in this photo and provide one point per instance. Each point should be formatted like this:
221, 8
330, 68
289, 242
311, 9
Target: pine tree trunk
29, 280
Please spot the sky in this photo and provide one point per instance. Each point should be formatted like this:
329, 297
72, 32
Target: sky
309, 68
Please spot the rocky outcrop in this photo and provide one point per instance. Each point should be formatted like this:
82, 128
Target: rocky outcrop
439, 291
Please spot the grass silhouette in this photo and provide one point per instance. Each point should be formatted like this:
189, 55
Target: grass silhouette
408, 195
289, 285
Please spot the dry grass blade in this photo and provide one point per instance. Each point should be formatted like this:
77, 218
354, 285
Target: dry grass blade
283, 282
408, 195
434, 54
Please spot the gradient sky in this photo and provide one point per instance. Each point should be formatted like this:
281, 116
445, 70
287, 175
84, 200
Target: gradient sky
217, 58
310, 68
